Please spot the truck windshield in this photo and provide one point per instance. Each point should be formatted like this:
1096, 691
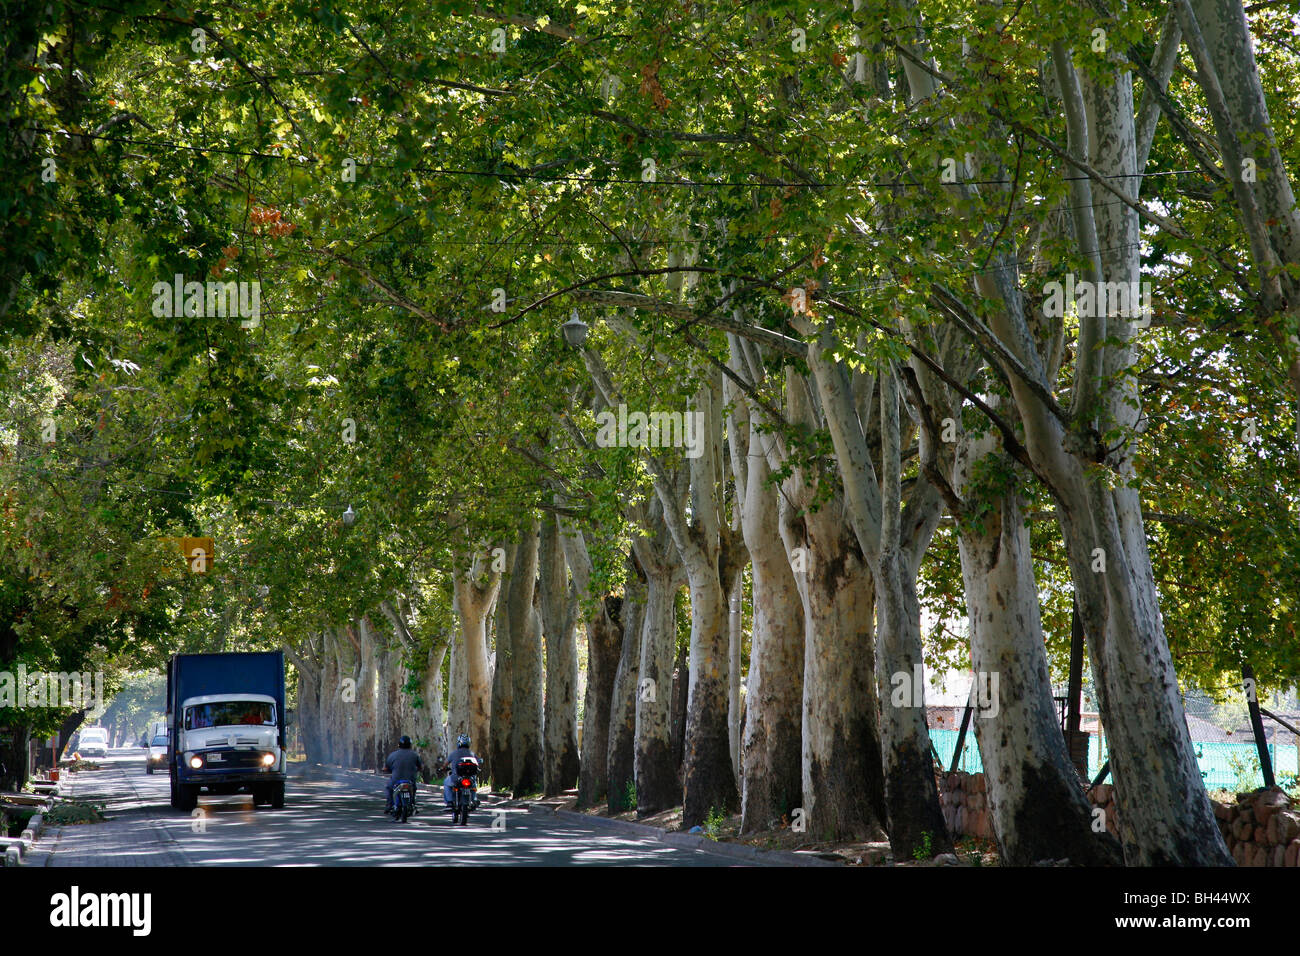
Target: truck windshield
160, 741
230, 713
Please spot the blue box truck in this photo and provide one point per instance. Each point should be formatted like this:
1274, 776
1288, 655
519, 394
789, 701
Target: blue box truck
225, 720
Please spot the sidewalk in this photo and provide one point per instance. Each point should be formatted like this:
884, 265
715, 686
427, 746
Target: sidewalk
127, 838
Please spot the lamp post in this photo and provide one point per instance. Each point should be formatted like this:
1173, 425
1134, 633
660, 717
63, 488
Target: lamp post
575, 331
349, 516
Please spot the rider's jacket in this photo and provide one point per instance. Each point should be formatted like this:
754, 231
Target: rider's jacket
403, 764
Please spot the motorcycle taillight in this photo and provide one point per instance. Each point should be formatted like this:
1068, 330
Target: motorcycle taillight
465, 783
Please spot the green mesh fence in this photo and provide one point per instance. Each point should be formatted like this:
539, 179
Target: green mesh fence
1224, 766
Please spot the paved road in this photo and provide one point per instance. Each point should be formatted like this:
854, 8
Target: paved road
329, 819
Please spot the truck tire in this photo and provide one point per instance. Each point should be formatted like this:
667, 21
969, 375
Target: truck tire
148, 767
277, 796
175, 792
189, 798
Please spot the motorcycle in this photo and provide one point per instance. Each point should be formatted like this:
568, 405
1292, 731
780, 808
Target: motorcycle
403, 801
464, 790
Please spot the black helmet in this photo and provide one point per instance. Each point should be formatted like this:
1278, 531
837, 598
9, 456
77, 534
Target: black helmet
403, 741
462, 740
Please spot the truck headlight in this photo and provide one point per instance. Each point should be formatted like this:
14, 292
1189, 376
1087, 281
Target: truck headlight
196, 762
268, 760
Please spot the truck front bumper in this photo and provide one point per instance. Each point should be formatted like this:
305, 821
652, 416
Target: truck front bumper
225, 768
216, 778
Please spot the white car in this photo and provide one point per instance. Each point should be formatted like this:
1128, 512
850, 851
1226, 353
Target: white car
157, 753
93, 742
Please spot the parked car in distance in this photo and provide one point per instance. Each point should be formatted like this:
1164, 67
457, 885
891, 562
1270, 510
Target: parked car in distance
93, 742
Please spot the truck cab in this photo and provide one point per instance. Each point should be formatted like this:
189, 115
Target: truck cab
230, 742
227, 740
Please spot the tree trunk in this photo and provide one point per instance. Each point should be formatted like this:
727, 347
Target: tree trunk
657, 784
369, 693
475, 589
14, 749
308, 665
735, 657
771, 765
843, 785
681, 684
352, 711
526, 670
329, 696
557, 611
500, 739
621, 756
604, 634
1165, 814
527, 741
773, 746
457, 690
431, 692
69, 727
916, 824
604, 642
423, 714
1036, 800
709, 781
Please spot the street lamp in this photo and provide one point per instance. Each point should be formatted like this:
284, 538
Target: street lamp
349, 516
575, 331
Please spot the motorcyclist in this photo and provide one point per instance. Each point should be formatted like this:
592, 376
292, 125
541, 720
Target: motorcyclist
404, 764
462, 750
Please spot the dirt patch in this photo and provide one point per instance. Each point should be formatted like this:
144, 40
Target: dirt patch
968, 851
76, 766
73, 812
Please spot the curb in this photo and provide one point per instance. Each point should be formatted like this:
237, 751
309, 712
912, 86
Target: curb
34, 826
15, 848
695, 841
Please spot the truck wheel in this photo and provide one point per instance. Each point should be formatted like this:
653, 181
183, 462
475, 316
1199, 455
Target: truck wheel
148, 767
277, 796
175, 792
189, 798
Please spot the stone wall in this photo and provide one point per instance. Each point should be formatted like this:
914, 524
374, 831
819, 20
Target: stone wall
1261, 829
964, 801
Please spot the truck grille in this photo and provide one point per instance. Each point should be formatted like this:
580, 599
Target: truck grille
231, 742
234, 759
